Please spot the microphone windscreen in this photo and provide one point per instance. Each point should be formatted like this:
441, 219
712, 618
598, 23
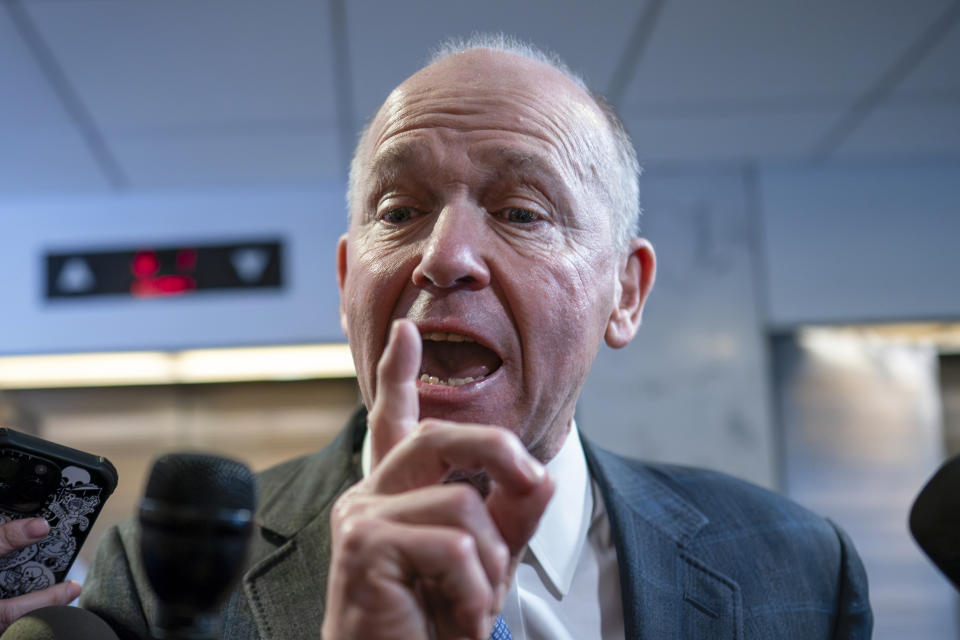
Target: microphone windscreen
935, 519
59, 623
196, 520
200, 480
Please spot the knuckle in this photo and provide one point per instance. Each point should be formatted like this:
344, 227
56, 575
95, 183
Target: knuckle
375, 415
428, 426
347, 506
383, 367
354, 535
462, 548
10, 538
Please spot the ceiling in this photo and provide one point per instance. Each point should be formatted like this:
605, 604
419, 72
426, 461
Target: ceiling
114, 95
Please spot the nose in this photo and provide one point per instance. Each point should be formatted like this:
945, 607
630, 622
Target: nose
453, 255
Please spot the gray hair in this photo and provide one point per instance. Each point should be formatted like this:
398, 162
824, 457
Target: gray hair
621, 177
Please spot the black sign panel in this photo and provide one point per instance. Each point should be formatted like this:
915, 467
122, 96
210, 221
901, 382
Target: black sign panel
149, 272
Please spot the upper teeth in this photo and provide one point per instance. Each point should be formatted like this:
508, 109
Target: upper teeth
443, 336
449, 382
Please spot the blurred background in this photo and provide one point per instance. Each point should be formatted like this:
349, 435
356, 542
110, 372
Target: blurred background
171, 190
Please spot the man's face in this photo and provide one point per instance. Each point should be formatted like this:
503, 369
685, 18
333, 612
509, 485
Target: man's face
479, 215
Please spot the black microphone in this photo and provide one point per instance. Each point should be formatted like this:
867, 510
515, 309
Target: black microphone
196, 518
59, 623
935, 519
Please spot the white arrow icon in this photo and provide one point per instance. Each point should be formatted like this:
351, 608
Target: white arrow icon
250, 263
75, 276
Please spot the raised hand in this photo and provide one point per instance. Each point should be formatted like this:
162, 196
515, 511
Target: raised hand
414, 556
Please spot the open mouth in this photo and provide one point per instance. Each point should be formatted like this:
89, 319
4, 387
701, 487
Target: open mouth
453, 359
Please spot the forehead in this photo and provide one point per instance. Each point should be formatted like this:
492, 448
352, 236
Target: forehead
521, 112
498, 158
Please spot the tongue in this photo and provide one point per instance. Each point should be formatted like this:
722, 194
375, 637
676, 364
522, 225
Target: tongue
447, 360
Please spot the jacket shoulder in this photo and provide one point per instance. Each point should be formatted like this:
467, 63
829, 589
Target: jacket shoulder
729, 504
790, 564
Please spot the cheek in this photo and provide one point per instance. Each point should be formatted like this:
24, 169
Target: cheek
567, 314
374, 279
371, 290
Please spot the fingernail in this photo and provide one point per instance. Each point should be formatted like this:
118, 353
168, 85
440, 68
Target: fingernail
532, 468
75, 588
394, 328
38, 527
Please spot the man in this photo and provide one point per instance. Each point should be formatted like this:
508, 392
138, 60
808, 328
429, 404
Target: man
489, 255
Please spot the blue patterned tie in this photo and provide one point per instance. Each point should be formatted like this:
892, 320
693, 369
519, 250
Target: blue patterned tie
500, 630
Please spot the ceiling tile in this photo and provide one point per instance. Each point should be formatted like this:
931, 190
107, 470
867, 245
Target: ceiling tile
266, 159
939, 70
906, 129
706, 52
41, 149
726, 137
390, 40
145, 65
39, 162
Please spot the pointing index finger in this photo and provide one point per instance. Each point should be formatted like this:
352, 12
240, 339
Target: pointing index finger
396, 409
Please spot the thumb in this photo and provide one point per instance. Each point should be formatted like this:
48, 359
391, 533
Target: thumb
396, 409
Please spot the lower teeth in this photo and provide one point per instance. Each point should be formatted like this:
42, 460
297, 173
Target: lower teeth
450, 382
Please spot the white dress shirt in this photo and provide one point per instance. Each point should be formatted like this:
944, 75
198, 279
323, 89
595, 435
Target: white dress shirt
567, 586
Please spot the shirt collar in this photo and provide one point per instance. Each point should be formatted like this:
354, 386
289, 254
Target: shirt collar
562, 531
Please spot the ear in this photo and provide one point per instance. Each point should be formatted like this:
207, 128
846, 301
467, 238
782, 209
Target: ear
638, 270
341, 279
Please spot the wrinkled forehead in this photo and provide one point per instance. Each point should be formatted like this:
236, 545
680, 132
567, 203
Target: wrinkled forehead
495, 90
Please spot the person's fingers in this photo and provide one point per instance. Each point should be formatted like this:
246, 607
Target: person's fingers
17, 534
451, 505
58, 594
396, 409
440, 564
438, 447
517, 516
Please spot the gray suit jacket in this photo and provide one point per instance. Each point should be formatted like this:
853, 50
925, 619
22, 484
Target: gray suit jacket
701, 555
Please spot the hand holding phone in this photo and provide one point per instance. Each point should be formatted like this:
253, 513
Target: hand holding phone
14, 536
42, 481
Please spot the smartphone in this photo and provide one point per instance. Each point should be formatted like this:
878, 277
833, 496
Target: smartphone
65, 486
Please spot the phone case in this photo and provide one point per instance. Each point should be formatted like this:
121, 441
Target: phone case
65, 486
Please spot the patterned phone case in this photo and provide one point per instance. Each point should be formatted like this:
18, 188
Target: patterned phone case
65, 486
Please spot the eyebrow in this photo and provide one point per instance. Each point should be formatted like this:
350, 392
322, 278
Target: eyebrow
512, 162
533, 169
508, 163
390, 163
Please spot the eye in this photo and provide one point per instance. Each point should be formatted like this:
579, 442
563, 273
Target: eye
399, 215
522, 216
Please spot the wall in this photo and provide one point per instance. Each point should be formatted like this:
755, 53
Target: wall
740, 251
692, 387
308, 222
848, 243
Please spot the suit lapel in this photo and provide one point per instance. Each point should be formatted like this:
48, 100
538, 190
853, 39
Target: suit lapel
667, 591
286, 587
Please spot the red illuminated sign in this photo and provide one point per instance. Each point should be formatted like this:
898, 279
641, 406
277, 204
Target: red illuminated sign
149, 282
165, 271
